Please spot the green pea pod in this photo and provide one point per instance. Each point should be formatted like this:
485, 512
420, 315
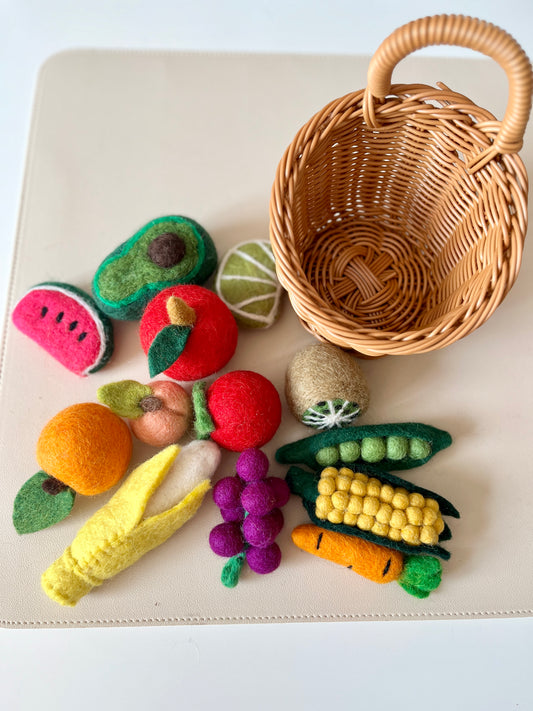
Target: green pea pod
388, 447
305, 485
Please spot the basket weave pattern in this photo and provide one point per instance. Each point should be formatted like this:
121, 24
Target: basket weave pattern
397, 223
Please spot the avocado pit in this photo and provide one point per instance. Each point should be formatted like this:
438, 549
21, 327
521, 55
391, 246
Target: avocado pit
167, 250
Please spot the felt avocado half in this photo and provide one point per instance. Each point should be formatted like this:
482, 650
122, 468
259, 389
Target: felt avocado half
167, 251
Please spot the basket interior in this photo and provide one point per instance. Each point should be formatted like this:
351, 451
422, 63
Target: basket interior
391, 230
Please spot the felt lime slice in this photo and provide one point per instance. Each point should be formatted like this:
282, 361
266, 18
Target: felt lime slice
247, 283
35, 508
166, 348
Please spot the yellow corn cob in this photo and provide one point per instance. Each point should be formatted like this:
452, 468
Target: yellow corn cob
354, 499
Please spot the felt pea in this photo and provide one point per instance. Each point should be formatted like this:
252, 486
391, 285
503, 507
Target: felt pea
401, 445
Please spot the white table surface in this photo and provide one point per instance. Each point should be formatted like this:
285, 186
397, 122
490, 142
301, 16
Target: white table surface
481, 664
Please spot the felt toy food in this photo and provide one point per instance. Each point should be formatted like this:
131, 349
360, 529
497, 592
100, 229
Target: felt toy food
246, 282
168, 250
84, 449
67, 324
188, 333
391, 446
159, 413
239, 410
376, 506
250, 503
417, 575
137, 519
325, 387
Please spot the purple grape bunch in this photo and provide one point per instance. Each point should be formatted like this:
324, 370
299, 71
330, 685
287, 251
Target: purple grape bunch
250, 503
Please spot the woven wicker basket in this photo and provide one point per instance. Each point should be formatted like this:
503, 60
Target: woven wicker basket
398, 213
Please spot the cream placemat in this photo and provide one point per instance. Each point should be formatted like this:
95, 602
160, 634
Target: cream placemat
118, 138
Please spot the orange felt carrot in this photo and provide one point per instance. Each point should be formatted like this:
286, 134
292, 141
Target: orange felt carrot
418, 575
382, 565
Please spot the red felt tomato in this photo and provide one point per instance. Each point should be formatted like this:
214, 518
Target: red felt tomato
245, 408
191, 346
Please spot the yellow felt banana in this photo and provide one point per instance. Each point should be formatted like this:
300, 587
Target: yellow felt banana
118, 535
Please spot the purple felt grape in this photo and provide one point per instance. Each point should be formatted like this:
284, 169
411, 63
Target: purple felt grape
227, 492
226, 539
258, 498
281, 490
264, 560
233, 515
252, 465
261, 531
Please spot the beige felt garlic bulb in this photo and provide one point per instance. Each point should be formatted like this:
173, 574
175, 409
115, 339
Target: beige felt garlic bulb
325, 387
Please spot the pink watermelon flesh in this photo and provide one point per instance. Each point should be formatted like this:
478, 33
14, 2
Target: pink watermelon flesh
64, 325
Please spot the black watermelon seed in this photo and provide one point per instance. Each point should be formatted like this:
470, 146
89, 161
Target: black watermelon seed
44, 311
59, 316
82, 336
72, 325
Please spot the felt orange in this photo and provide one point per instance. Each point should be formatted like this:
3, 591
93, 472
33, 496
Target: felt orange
85, 446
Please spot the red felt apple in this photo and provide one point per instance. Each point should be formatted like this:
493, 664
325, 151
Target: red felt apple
187, 333
240, 410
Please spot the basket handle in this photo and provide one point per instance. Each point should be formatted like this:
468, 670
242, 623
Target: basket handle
467, 32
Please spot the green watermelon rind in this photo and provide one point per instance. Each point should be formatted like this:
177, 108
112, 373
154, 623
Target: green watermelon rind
99, 317
131, 308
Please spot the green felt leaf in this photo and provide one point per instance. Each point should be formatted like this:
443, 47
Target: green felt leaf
203, 424
123, 398
232, 570
35, 509
166, 348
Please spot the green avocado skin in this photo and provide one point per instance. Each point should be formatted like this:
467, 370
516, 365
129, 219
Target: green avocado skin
127, 279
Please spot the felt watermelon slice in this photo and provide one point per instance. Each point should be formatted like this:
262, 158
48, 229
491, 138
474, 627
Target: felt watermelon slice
66, 322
